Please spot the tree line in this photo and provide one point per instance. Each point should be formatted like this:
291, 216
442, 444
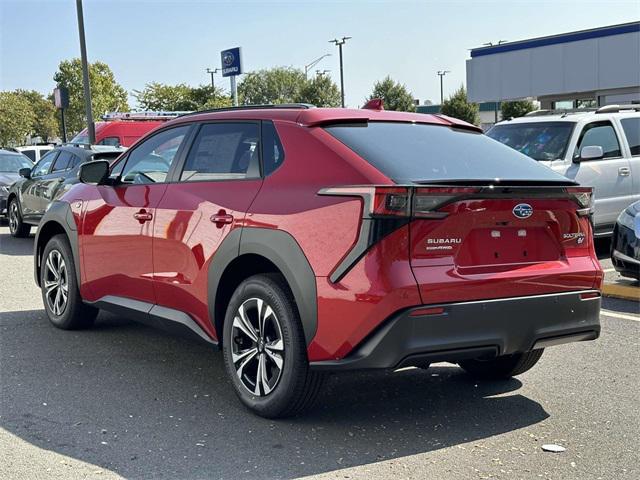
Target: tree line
29, 113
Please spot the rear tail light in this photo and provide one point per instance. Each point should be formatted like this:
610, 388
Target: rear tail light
583, 196
383, 201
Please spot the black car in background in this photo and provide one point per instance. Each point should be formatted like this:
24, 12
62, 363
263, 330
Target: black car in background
53, 175
10, 165
625, 244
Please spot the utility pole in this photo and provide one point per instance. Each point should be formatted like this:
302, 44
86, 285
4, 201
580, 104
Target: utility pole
212, 72
340, 43
314, 63
441, 74
91, 128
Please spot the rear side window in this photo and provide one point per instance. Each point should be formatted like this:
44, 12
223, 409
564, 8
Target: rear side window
408, 152
272, 151
30, 153
222, 151
63, 162
599, 134
631, 127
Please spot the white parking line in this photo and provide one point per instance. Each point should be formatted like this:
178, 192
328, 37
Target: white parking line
624, 316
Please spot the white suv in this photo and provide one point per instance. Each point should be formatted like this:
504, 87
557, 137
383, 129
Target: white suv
35, 152
595, 148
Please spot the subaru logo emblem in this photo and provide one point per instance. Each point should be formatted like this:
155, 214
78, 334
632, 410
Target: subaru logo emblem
523, 210
228, 59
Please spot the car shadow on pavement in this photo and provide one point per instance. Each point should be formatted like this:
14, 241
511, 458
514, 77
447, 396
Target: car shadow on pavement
136, 401
16, 246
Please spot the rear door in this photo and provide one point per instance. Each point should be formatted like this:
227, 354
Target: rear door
609, 176
52, 181
31, 189
213, 189
118, 225
631, 128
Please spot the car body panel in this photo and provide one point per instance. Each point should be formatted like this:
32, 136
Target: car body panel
178, 259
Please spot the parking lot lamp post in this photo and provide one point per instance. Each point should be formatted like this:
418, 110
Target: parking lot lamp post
314, 63
441, 74
91, 128
340, 42
212, 72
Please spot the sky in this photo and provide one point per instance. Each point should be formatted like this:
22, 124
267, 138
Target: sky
175, 41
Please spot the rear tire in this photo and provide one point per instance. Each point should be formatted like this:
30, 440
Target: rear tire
266, 355
17, 227
59, 287
503, 367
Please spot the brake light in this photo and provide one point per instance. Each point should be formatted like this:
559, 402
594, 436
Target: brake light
426, 201
583, 196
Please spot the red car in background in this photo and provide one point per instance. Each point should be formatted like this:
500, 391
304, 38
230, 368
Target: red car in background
310, 240
124, 129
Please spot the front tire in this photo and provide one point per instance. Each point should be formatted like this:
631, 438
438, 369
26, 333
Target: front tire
17, 227
502, 367
265, 351
59, 286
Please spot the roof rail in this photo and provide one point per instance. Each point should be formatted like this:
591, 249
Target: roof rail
618, 108
561, 111
299, 106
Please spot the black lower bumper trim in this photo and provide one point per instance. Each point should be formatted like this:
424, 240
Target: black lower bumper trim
479, 329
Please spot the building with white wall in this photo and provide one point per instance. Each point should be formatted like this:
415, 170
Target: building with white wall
587, 68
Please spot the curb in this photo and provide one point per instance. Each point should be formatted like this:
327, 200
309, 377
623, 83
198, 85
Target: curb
625, 292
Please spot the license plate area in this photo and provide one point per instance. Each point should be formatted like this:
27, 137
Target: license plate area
504, 245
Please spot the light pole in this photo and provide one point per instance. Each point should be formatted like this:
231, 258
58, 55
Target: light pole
340, 43
213, 83
91, 128
314, 63
441, 74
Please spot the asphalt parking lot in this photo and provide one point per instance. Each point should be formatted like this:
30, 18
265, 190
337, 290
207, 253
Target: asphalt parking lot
125, 400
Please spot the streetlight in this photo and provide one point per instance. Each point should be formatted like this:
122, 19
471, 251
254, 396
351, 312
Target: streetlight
213, 84
441, 74
314, 63
339, 43
91, 128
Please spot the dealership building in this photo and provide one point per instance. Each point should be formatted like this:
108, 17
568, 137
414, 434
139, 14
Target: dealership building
587, 68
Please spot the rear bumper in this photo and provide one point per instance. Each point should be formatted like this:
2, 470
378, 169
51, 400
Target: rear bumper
475, 329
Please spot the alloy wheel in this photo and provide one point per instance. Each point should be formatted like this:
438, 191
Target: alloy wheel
56, 282
13, 217
257, 346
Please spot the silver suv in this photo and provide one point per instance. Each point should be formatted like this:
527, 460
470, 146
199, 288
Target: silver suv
596, 148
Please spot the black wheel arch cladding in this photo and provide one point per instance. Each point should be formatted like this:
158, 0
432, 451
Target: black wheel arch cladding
282, 250
58, 218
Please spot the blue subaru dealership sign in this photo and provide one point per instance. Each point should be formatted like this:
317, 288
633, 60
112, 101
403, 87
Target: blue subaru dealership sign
231, 62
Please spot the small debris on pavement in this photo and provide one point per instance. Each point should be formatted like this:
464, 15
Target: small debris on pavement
551, 447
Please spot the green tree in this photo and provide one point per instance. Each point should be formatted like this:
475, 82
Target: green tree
16, 119
45, 123
320, 91
457, 106
519, 108
158, 96
394, 95
106, 94
274, 86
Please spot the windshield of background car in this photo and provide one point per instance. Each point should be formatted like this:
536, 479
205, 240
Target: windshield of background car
12, 163
82, 137
414, 152
538, 140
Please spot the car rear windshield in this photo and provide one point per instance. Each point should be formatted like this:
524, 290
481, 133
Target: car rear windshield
414, 152
538, 140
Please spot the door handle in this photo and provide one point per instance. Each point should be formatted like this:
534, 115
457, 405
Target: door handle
143, 216
624, 171
221, 218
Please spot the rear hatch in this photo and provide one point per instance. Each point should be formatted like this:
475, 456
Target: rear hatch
484, 221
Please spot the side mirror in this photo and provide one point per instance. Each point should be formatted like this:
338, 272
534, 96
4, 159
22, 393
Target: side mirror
590, 152
25, 172
94, 173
